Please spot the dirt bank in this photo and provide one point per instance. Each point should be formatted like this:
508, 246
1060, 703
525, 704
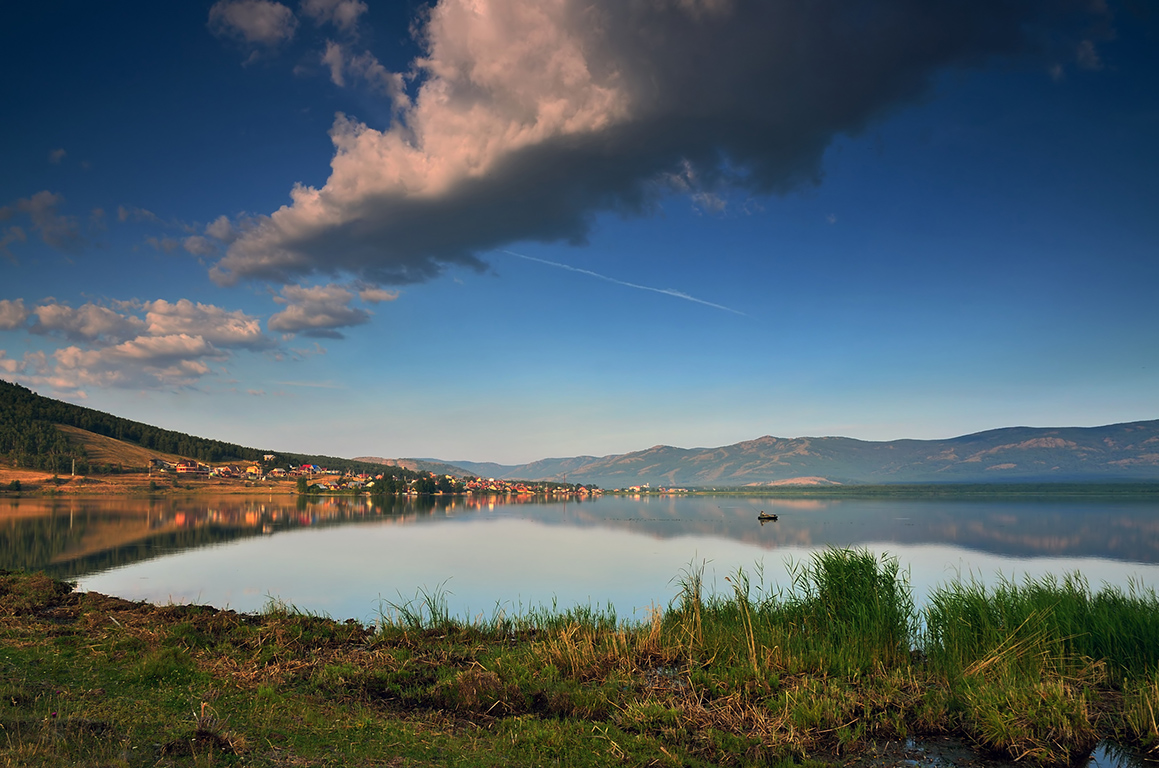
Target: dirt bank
36, 482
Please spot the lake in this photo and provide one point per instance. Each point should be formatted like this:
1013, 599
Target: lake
349, 558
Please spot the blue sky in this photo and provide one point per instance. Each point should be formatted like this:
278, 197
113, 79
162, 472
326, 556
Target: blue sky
504, 230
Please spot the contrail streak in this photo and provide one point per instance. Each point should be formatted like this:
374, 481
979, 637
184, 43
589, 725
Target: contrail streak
315, 384
666, 291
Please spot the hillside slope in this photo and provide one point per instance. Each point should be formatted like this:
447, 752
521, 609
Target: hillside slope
110, 451
417, 465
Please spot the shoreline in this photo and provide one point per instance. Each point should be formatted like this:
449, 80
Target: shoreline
38, 483
34, 483
709, 681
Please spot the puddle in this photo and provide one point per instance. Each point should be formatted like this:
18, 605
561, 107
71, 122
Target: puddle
949, 752
1110, 755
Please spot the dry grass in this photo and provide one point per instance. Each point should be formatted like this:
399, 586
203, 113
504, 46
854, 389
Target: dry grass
134, 479
34, 481
108, 450
1141, 717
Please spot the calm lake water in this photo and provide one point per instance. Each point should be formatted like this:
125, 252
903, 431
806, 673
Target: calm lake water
345, 556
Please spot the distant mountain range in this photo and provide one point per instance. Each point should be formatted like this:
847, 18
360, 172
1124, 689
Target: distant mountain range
1117, 452
40, 432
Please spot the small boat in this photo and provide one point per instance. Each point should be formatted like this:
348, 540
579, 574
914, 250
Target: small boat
764, 517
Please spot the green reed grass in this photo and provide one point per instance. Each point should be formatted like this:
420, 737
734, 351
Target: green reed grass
1029, 663
428, 609
1140, 720
853, 607
1041, 624
845, 611
828, 663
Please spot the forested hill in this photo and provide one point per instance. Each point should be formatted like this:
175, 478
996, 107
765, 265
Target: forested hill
29, 437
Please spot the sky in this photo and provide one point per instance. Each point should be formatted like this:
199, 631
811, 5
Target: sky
505, 230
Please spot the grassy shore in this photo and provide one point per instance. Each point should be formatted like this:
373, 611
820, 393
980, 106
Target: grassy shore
829, 668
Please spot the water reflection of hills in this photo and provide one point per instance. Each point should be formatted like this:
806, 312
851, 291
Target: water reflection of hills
73, 537
1117, 530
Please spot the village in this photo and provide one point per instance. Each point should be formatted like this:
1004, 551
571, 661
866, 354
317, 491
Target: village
322, 480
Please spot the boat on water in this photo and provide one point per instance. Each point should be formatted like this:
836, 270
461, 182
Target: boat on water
765, 517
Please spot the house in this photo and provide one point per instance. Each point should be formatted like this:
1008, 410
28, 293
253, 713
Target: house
195, 468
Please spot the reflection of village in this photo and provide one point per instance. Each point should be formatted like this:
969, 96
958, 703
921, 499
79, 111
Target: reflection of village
73, 536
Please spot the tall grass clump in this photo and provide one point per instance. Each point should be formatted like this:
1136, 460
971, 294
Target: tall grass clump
970, 628
689, 611
851, 611
1027, 661
427, 610
1043, 625
1123, 629
847, 611
1140, 717
823, 661
549, 619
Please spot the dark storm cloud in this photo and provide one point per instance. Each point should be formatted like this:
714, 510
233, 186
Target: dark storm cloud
531, 117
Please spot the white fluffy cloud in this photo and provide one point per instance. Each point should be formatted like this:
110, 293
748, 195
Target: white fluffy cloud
343, 14
254, 22
334, 57
365, 68
89, 322
221, 327
145, 362
221, 229
531, 116
12, 314
198, 245
155, 344
318, 311
376, 295
8, 365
